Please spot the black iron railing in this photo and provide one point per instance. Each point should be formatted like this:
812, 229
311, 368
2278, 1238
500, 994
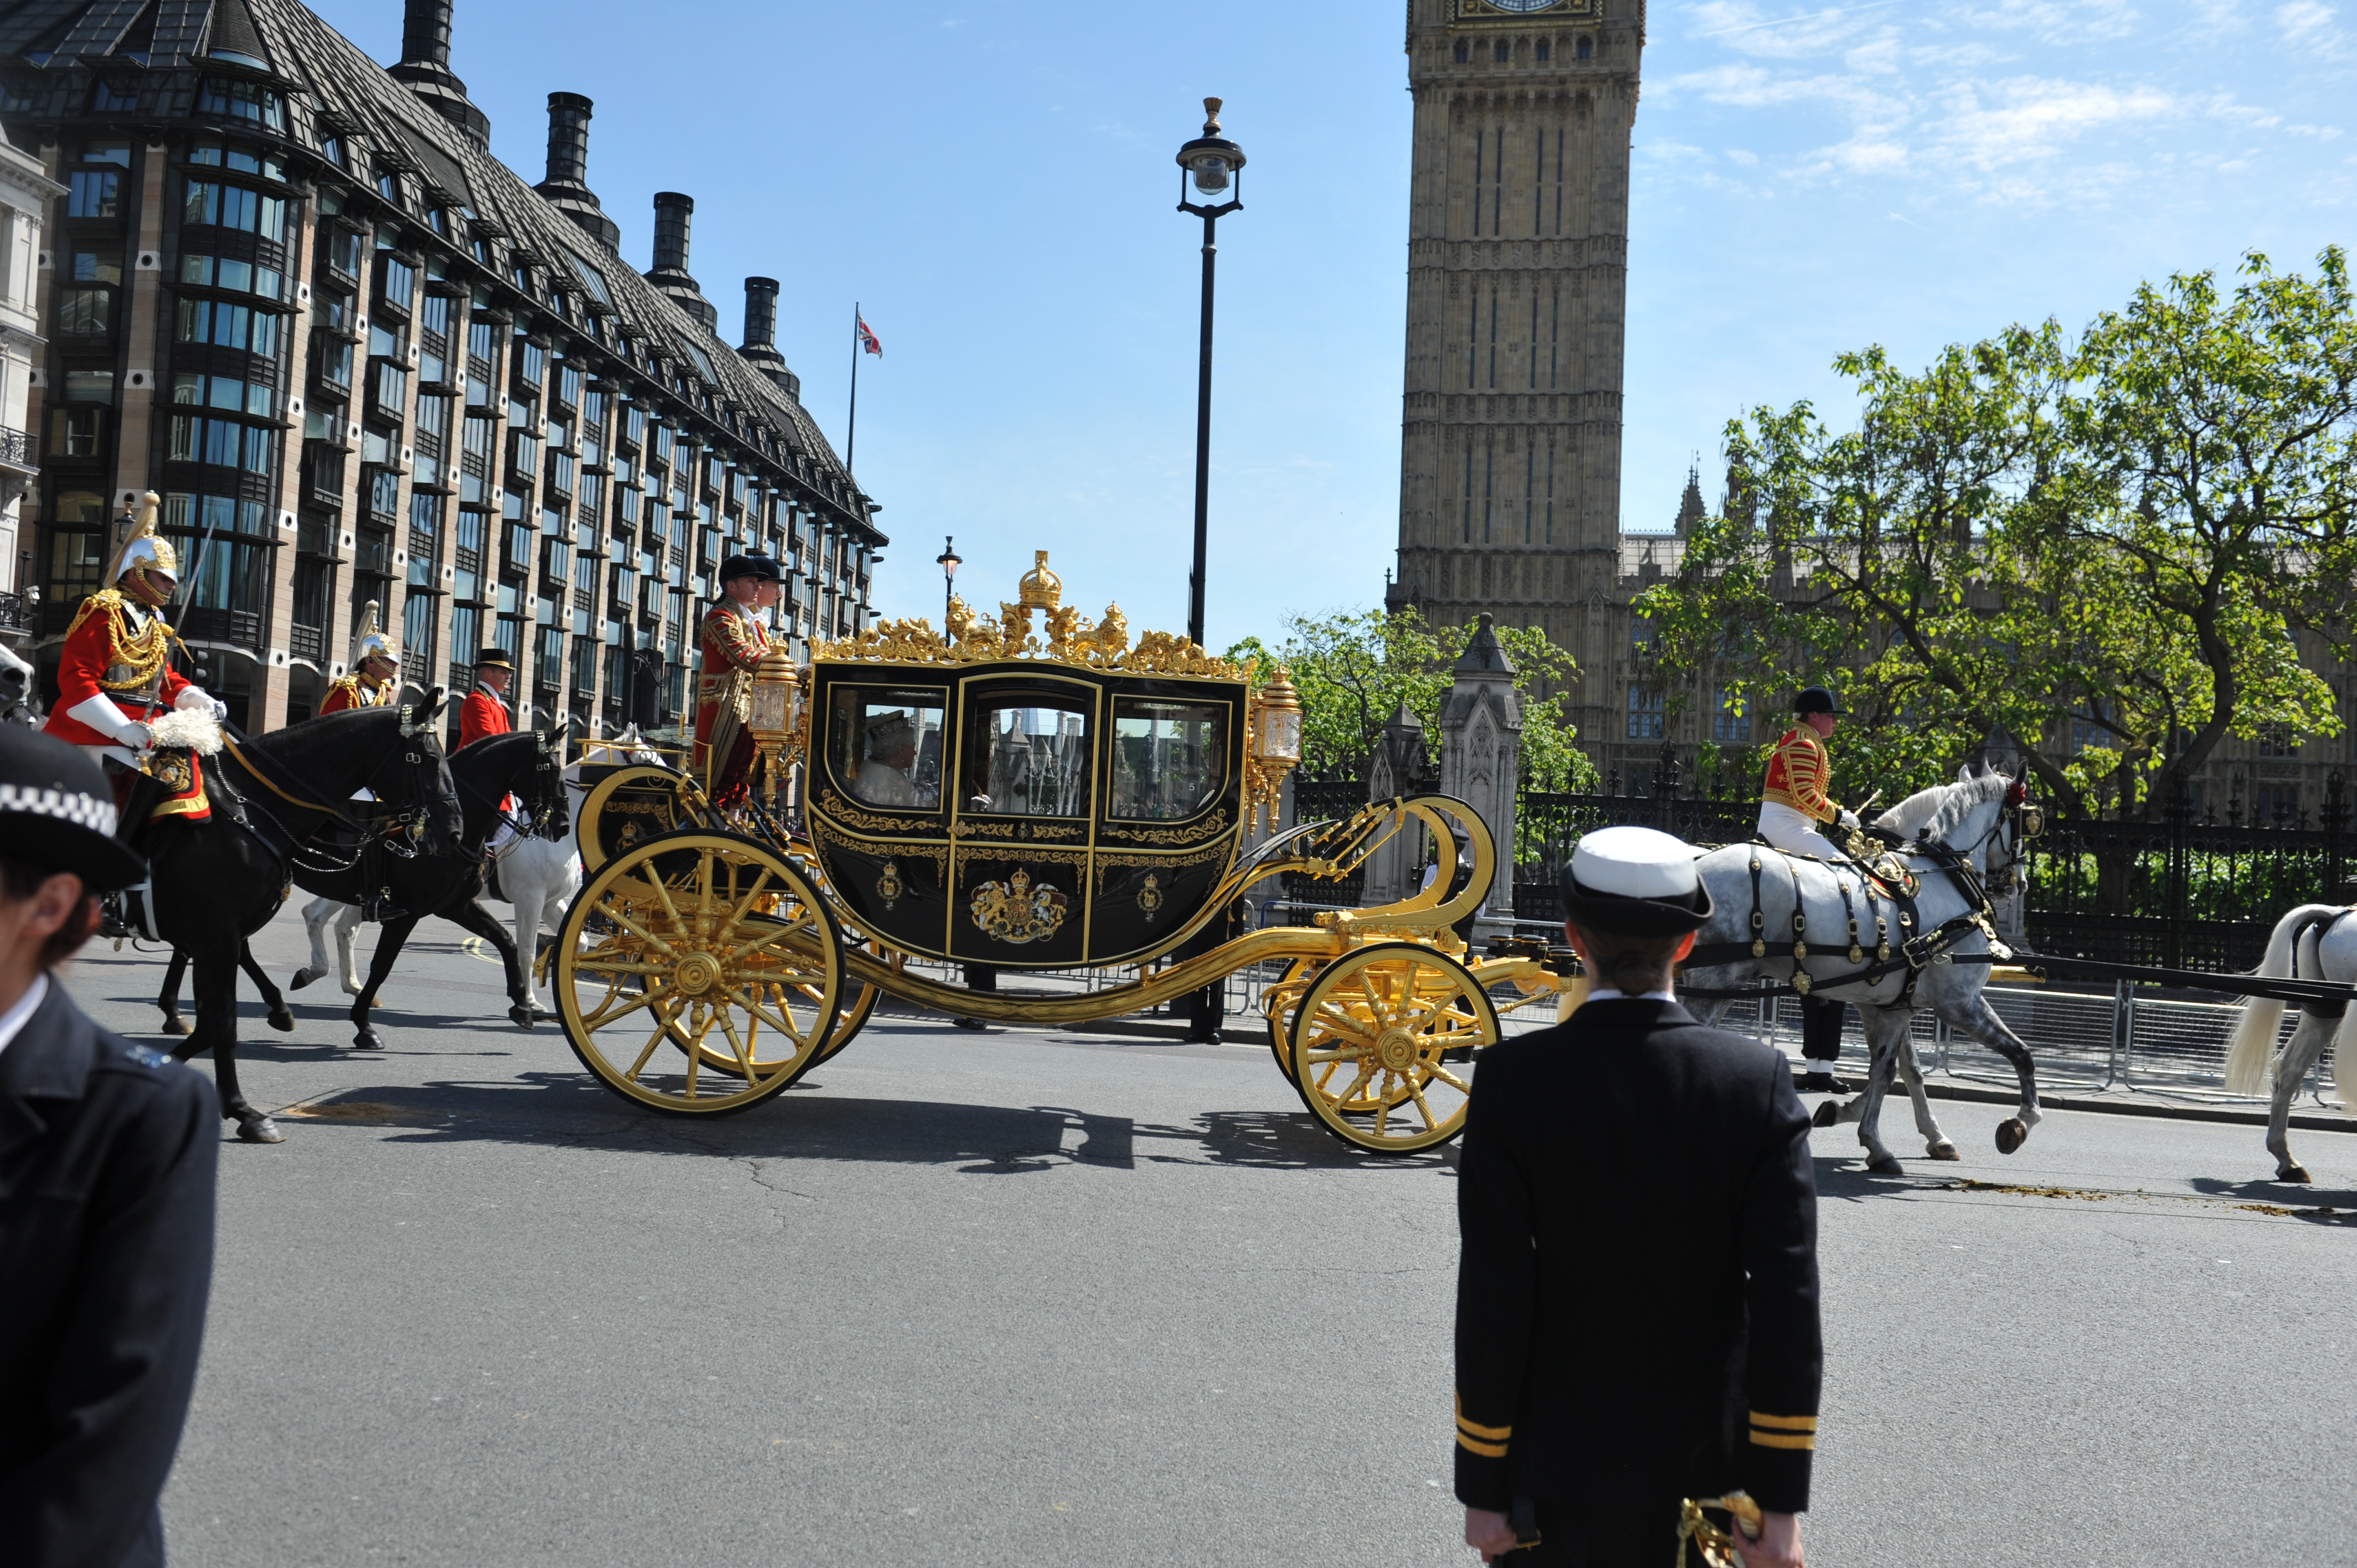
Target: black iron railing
16, 447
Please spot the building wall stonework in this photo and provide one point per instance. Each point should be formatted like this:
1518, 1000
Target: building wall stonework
1510, 473
290, 290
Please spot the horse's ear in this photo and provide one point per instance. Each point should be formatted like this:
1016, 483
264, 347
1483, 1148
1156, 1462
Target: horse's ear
1964, 774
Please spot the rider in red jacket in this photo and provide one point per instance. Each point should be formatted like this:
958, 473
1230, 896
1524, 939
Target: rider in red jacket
485, 709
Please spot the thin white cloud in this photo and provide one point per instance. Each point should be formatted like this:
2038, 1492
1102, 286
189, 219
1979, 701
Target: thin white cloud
2029, 118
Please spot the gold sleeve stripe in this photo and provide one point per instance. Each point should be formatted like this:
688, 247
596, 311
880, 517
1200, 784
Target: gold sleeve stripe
1487, 1450
1780, 1439
1785, 1423
1495, 1433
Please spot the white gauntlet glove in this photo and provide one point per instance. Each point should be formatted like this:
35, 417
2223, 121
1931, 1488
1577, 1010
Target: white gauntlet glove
134, 735
1848, 819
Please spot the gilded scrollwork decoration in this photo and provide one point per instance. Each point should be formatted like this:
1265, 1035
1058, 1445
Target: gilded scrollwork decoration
1210, 827
835, 806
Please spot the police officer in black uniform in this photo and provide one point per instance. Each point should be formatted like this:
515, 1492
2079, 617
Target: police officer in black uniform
106, 1199
1637, 1299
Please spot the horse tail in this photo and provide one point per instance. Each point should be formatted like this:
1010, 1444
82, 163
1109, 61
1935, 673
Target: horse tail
2251, 1048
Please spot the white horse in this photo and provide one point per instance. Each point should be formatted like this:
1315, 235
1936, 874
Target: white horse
19, 699
1844, 924
2315, 941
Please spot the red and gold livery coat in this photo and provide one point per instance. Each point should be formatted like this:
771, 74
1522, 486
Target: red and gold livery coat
733, 643
1798, 772
485, 712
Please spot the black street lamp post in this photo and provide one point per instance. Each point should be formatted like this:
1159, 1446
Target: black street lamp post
948, 561
1209, 160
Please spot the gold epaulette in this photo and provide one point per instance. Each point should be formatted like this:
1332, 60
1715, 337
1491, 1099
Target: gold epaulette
145, 654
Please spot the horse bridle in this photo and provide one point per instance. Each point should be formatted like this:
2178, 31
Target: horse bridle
407, 820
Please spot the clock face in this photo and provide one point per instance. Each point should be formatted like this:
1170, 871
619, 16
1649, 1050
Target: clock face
1524, 8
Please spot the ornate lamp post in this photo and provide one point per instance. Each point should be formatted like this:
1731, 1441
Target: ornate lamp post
1209, 160
948, 561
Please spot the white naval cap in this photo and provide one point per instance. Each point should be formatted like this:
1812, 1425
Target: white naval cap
1634, 882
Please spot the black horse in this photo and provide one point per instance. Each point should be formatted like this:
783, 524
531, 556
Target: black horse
214, 884
168, 997
523, 763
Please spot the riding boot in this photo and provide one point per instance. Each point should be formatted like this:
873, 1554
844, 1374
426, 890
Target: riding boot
136, 795
1820, 1035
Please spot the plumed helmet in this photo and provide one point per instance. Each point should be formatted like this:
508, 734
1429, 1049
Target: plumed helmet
144, 548
372, 641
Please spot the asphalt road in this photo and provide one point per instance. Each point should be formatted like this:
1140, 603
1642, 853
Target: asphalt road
1049, 1298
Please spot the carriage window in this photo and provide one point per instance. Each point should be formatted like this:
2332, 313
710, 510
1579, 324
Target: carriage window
1027, 757
1169, 758
885, 744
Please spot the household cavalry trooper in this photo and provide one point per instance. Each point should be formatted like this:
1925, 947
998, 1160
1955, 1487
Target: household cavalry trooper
375, 677
733, 638
115, 677
1792, 803
1624, 1346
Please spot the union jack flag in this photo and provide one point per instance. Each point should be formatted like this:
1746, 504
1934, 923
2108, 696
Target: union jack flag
868, 338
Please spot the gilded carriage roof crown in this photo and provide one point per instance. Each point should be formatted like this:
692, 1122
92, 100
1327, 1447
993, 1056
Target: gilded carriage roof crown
1040, 590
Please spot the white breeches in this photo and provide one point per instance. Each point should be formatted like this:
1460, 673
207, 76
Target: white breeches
1785, 828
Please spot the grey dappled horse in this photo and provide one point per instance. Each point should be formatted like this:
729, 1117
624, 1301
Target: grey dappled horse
1974, 819
2315, 941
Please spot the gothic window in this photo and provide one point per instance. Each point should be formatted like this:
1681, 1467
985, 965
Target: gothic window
1464, 51
1732, 724
1501, 52
1544, 49
1645, 719
1586, 49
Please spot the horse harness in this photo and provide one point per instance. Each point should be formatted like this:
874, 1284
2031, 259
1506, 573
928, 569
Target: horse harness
1914, 953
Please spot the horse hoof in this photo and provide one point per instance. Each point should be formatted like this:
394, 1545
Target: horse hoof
522, 1017
1886, 1166
1828, 1113
2295, 1174
2011, 1134
366, 1040
283, 1021
172, 1025
304, 977
261, 1129
351, 990
1943, 1150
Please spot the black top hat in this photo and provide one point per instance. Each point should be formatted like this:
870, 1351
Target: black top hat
1634, 882
57, 812
496, 657
762, 566
1816, 700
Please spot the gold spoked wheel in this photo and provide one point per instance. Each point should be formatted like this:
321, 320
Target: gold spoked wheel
1278, 1002
859, 1000
698, 973
1369, 1039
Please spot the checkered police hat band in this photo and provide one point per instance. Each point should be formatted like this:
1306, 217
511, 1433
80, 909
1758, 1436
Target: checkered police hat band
82, 810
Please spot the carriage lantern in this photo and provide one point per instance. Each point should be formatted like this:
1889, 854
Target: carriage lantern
1276, 738
776, 700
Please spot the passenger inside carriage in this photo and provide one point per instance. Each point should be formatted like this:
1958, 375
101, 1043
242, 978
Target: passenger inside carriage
883, 775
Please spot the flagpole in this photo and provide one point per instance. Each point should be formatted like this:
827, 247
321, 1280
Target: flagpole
851, 434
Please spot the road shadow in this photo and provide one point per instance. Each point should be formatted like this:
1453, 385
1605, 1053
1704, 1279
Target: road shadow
544, 1108
2321, 1205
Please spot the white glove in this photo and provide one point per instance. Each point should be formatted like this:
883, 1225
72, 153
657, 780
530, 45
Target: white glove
194, 697
1848, 819
135, 735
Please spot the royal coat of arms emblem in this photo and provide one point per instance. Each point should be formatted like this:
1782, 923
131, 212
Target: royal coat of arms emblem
1017, 911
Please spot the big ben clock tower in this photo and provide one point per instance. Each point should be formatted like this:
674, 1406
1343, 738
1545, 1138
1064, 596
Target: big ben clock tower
1517, 302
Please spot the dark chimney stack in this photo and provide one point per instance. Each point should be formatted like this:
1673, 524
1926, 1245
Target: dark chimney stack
670, 275
425, 32
424, 68
673, 212
760, 314
568, 185
760, 349
568, 139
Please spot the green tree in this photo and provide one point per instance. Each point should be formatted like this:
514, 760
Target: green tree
2096, 552
1355, 668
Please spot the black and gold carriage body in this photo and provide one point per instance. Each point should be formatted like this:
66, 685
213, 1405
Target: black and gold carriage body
1029, 792
1107, 854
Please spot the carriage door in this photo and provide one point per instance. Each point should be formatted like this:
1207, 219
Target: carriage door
1019, 836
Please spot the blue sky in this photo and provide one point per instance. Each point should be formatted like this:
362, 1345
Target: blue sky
995, 184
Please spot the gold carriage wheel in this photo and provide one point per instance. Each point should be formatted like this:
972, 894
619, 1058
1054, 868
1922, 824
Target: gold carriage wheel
709, 949
859, 1001
1278, 1002
1369, 1039
637, 776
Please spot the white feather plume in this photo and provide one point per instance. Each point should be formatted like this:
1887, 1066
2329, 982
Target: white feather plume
194, 728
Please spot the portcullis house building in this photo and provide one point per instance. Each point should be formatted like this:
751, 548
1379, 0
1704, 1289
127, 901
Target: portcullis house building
291, 291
